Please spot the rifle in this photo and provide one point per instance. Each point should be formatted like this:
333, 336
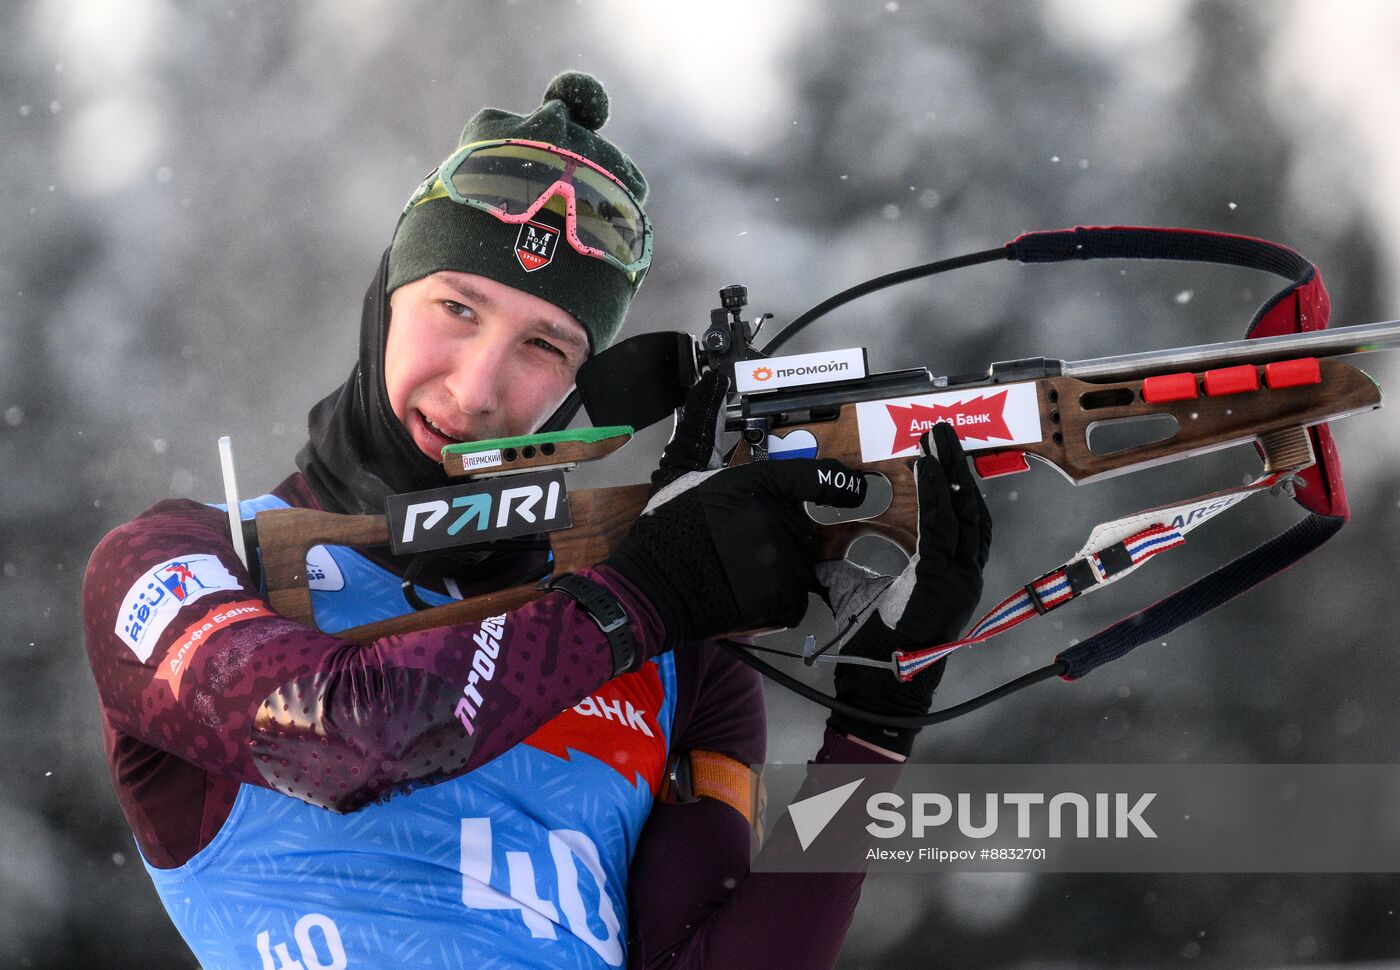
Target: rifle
1090, 419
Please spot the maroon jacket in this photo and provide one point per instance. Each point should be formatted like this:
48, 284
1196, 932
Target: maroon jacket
269, 702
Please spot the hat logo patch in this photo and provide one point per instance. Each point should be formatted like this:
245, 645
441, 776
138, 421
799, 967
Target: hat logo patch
535, 245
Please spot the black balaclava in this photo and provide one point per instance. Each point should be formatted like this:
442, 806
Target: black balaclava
359, 453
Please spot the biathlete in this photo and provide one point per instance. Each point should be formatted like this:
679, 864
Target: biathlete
498, 793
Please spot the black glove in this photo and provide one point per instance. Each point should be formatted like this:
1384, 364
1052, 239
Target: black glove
694, 445
729, 549
928, 603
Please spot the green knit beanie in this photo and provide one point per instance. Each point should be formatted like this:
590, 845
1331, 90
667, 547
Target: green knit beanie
440, 234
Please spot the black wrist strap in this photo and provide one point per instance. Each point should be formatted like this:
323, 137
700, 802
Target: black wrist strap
606, 611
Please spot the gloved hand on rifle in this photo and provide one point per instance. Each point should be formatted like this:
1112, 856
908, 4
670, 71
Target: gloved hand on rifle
928, 603
721, 550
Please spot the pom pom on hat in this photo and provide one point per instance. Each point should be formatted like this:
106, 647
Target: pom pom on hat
583, 95
438, 234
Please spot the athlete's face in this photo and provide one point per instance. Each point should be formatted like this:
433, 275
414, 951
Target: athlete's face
469, 359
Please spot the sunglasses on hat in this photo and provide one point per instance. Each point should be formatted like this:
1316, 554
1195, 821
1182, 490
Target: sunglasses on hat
513, 179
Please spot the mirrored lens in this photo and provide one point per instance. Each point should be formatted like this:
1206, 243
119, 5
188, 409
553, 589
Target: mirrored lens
511, 178
607, 217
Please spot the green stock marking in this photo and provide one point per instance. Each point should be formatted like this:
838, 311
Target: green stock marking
585, 436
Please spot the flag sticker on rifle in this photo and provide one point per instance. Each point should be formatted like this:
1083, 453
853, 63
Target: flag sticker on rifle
794, 444
983, 417
463, 515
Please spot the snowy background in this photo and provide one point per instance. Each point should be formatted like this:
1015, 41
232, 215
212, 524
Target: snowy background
193, 197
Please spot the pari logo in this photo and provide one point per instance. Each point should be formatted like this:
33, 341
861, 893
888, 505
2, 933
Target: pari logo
982, 418
154, 599
535, 244
478, 512
799, 370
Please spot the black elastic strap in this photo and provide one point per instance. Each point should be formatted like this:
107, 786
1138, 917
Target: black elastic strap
1190, 245
606, 611
1202, 596
745, 655
880, 283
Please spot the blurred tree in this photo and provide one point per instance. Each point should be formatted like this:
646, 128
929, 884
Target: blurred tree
934, 129
215, 289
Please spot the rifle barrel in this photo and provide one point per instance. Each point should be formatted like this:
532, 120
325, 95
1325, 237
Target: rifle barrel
1318, 343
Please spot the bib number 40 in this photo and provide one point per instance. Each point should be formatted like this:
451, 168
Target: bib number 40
310, 953
567, 848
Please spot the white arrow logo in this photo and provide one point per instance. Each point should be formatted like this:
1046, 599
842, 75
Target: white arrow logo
432, 511
811, 815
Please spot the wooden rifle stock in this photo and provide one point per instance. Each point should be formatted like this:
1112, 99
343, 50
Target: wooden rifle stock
602, 517
1069, 409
